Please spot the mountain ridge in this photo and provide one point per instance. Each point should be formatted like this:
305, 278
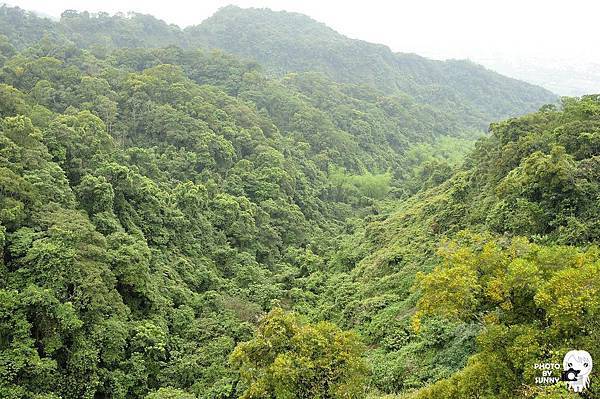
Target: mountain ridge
302, 43
284, 42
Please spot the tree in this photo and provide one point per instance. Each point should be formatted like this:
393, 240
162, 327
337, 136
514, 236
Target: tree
291, 359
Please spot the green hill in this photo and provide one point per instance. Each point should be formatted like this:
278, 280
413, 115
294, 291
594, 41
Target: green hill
285, 42
288, 42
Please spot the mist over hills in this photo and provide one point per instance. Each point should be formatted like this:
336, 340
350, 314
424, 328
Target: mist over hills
563, 76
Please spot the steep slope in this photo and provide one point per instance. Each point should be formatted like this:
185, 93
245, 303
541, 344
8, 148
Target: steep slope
287, 42
510, 245
147, 220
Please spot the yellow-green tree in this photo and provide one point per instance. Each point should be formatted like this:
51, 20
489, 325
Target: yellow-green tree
534, 302
291, 359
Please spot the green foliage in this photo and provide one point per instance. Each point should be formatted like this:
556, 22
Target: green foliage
169, 393
345, 186
534, 301
291, 359
533, 177
159, 217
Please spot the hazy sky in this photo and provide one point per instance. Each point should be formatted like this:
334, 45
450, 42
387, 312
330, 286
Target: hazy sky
514, 29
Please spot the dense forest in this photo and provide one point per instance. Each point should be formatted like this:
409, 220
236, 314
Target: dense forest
259, 207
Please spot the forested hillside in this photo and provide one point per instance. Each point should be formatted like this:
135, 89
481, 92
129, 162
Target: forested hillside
179, 222
285, 42
490, 272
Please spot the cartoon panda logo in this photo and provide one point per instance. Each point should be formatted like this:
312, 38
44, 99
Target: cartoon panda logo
577, 366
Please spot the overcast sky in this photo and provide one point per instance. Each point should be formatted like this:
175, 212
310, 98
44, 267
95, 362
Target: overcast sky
442, 29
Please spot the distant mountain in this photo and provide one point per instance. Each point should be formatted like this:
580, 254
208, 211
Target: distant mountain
285, 42
25, 28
